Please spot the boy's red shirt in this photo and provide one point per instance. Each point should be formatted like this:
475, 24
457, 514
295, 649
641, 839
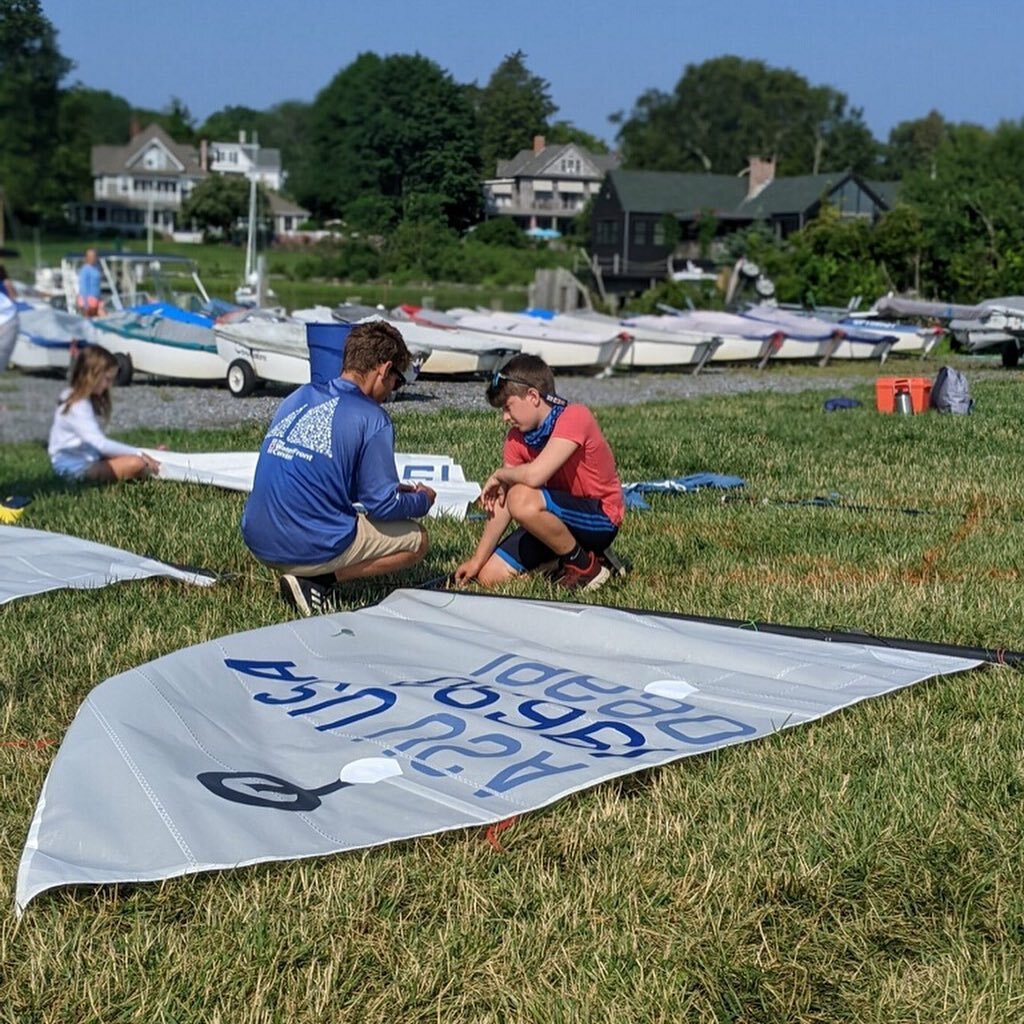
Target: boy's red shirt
589, 472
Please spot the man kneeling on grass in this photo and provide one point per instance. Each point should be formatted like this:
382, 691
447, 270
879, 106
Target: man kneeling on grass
329, 447
558, 485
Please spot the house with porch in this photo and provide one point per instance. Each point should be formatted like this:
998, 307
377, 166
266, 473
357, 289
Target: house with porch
147, 181
642, 221
543, 188
144, 182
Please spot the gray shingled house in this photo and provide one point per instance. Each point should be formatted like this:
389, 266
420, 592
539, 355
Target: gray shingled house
632, 243
542, 189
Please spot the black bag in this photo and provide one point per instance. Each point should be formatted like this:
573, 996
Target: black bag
950, 392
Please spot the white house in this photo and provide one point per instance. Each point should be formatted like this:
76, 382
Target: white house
142, 182
245, 158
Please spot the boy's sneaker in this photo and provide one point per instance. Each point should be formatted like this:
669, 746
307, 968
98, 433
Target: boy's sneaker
593, 575
617, 565
305, 595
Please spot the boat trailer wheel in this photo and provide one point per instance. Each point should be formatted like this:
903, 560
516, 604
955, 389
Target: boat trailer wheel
241, 379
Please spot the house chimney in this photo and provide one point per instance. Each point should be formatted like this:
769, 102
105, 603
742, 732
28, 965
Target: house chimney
761, 173
134, 128
204, 155
241, 136
538, 144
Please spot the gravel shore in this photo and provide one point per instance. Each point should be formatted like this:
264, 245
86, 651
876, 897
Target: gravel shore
27, 402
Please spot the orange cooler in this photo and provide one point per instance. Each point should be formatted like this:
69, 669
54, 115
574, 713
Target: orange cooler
886, 388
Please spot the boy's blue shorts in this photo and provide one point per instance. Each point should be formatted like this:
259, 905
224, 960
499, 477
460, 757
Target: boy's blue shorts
584, 519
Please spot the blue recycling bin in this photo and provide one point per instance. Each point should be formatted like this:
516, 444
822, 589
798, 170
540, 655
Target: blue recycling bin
326, 343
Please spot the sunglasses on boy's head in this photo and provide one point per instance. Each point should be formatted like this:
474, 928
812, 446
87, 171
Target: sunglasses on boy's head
497, 377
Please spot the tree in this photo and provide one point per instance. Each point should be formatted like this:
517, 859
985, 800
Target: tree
512, 108
219, 202
175, 119
914, 145
31, 68
562, 132
725, 110
393, 127
87, 118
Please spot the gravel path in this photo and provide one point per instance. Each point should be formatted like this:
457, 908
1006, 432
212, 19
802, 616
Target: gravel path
27, 402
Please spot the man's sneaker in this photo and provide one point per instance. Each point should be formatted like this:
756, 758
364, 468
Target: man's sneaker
590, 577
306, 596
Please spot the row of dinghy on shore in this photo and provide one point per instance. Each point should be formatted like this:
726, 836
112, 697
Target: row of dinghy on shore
246, 348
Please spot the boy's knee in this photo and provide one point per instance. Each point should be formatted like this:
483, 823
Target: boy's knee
522, 500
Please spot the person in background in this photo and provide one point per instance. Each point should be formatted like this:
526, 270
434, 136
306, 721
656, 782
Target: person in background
90, 297
328, 448
78, 448
558, 484
7, 285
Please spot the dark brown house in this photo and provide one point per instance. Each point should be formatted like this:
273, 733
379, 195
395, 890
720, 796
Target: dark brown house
642, 220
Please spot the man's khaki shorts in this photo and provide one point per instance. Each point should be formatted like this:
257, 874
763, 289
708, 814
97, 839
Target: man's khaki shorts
374, 539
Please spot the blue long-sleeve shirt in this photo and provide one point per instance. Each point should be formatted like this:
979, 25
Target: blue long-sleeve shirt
328, 447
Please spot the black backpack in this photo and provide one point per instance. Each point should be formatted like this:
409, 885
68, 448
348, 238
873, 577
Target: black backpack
950, 392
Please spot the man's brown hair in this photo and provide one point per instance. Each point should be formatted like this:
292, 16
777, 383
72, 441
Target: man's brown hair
372, 343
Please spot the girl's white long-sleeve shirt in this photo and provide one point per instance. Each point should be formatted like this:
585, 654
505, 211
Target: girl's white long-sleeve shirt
79, 426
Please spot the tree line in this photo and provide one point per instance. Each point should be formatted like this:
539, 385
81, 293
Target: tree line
395, 143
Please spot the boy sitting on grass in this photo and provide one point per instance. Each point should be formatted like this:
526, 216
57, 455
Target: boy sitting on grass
558, 485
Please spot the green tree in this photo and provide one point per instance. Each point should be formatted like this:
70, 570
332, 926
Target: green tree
219, 202
175, 119
392, 127
31, 69
512, 108
562, 132
913, 146
970, 207
87, 118
725, 110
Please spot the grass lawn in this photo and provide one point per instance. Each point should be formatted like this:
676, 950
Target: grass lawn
866, 868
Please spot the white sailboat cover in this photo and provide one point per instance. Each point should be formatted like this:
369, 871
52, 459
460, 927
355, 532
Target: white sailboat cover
35, 561
428, 712
714, 323
234, 471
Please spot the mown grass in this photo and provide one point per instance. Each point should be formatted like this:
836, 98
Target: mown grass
865, 868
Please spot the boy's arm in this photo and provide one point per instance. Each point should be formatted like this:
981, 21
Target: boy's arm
496, 525
537, 473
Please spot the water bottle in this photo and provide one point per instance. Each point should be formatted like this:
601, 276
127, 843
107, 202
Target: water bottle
904, 403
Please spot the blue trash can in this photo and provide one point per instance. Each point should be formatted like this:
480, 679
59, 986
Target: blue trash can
326, 344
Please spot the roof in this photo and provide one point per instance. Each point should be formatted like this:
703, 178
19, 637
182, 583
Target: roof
675, 192
279, 205
687, 195
887, 191
791, 195
528, 164
116, 159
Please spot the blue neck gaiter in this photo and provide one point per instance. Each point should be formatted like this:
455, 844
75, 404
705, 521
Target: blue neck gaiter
538, 437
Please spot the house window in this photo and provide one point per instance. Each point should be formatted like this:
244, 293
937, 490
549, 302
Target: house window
639, 232
659, 233
608, 232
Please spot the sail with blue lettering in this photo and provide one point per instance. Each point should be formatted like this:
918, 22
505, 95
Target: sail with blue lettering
428, 712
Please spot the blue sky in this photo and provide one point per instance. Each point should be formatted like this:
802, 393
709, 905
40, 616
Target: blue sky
897, 60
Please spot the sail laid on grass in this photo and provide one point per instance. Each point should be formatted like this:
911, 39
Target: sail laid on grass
35, 561
428, 712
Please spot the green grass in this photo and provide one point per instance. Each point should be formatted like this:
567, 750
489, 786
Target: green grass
865, 868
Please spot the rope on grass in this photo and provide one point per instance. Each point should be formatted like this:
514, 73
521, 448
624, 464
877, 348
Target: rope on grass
493, 831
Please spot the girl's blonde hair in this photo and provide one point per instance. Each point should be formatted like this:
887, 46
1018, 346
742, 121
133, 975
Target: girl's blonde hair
90, 366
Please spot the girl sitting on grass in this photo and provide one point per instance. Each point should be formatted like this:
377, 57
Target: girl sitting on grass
78, 447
